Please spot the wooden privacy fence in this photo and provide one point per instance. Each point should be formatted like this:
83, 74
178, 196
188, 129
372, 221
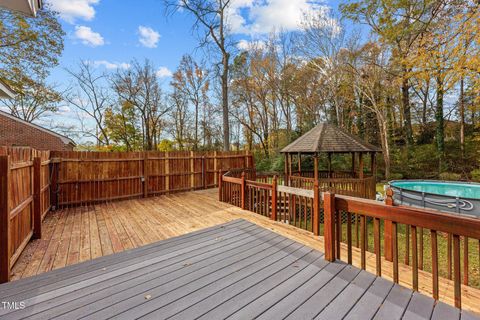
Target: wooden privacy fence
88, 177
24, 201
371, 226
33, 182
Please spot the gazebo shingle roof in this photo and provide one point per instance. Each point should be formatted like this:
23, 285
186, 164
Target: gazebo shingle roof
329, 138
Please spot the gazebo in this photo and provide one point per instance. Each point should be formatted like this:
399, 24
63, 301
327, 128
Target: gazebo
330, 139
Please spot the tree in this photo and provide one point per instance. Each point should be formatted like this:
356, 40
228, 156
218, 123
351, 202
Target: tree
34, 101
372, 82
191, 79
399, 24
139, 87
91, 98
180, 117
211, 24
29, 49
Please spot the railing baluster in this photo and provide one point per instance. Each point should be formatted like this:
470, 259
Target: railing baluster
465, 261
456, 271
433, 241
414, 258
407, 245
449, 256
357, 241
420, 249
363, 244
376, 245
349, 237
395, 251
338, 233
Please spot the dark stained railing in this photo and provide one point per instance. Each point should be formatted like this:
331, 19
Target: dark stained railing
367, 225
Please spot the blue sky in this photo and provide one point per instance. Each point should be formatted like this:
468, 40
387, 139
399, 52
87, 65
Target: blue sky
111, 33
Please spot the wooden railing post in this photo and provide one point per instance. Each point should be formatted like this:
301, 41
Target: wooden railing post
167, 173
329, 223
4, 219
387, 237
220, 177
37, 212
145, 174
274, 199
316, 209
242, 191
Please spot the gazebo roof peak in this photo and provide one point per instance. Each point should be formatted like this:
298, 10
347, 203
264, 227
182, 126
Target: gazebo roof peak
329, 138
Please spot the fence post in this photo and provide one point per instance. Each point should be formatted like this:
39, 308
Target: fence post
204, 173
215, 179
192, 170
54, 168
167, 172
329, 223
37, 212
274, 198
145, 174
4, 219
387, 237
242, 191
316, 209
220, 177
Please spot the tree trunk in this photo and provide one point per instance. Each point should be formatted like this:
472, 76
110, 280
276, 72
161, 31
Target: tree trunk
407, 118
226, 124
462, 119
439, 134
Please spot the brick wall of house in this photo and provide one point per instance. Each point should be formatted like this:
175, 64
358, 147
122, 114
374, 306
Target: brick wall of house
17, 133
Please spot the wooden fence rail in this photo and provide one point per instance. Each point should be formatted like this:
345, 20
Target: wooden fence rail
359, 222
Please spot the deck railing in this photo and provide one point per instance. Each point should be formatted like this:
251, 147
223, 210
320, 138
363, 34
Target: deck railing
370, 226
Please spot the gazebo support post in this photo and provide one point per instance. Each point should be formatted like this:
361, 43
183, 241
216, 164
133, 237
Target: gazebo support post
299, 155
315, 167
353, 165
289, 167
286, 170
373, 165
360, 165
329, 165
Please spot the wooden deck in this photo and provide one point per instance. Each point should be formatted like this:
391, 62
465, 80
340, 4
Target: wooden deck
80, 234
235, 270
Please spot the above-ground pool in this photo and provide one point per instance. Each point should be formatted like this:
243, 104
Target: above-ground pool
456, 197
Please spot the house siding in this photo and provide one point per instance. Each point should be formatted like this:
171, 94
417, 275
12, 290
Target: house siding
16, 133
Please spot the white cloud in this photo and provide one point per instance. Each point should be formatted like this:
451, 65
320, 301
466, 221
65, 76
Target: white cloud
246, 45
88, 36
256, 17
70, 10
164, 72
111, 65
148, 37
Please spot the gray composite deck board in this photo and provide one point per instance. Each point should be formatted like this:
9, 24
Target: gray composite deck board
237, 270
125, 257
419, 308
